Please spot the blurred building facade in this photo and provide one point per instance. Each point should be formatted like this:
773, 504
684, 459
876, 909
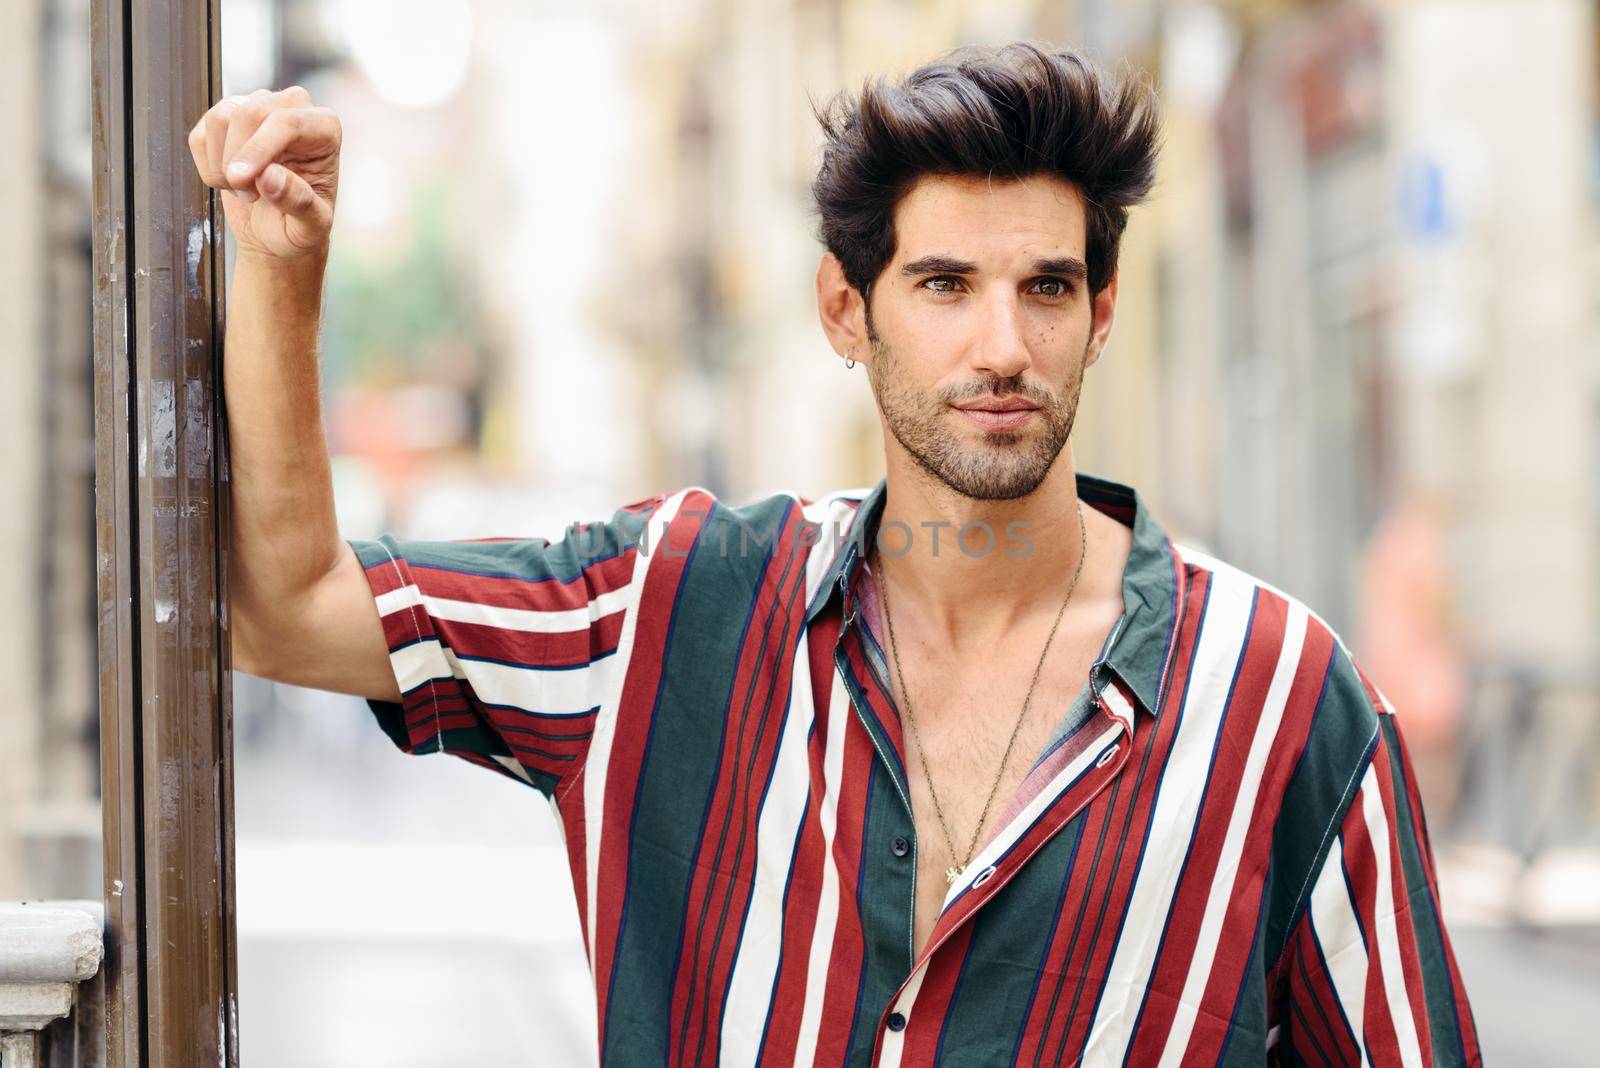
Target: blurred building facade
49, 772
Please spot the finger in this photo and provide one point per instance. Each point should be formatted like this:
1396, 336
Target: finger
307, 215
308, 131
205, 140
243, 122
216, 135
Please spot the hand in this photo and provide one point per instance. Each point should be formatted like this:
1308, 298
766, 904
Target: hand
276, 159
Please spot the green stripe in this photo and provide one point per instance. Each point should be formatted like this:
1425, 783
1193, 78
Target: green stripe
886, 901
1246, 1041
530, 560
1431, 952
1318, 794
986, 1017
709, 615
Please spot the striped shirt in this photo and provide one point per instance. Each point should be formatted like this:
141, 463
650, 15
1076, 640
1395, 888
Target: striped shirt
1221, 858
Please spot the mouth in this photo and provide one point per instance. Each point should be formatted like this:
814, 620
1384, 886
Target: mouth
998, 413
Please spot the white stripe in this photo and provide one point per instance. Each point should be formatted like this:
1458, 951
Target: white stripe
565, 620
1223, 879
1222, 634
894, 1042
515, 767
839, 712
607, 694
545, 691
835, 514
1205, 561
1118, 705
1019, 824
1394, 980
1333, 921
783, 812
418, 662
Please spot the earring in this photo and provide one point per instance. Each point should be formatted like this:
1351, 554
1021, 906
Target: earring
849, 359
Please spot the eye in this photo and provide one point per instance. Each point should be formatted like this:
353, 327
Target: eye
943, 283
1054, 288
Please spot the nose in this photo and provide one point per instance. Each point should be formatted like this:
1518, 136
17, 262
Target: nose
1001, 347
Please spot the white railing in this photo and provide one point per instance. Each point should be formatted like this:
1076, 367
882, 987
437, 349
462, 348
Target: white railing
51, 1006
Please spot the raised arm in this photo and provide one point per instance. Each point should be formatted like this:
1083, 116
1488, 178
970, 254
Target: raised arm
301, 609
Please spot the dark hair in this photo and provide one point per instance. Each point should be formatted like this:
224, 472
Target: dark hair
1009, 112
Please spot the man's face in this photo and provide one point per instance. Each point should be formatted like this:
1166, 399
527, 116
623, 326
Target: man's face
985, 305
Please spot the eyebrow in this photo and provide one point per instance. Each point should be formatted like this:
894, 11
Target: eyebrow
1069, 267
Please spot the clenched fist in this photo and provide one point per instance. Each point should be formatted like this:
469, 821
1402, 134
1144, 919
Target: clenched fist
276, 159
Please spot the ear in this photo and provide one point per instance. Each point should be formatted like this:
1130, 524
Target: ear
842, 310
1104, 311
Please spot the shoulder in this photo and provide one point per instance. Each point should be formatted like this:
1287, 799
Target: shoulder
1304, 672
1327, 719
748, 536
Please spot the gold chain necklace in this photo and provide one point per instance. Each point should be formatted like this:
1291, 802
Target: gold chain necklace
952, 874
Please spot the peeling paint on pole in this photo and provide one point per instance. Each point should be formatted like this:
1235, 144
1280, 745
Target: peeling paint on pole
161, 514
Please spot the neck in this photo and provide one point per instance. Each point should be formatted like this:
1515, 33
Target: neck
971, 599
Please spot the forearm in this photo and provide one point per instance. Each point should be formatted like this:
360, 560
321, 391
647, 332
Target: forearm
284, 534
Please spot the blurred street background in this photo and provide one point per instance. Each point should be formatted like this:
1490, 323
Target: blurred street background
1356, 354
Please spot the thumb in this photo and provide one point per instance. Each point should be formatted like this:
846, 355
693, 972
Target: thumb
288, 192
291, 194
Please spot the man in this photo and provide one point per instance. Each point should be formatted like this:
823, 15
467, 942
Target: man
975, 767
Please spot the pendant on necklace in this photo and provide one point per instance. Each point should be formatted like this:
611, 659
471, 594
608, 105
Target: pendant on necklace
952, 874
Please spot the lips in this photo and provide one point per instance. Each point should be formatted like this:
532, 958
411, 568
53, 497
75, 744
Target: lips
1007, 413
999, 404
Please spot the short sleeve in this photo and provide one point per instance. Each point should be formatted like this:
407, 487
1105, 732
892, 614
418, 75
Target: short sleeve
504, 649
1369, 973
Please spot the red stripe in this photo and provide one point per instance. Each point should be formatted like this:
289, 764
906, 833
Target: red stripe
1152, 744
845, 959
805, 880
1405, 931
1186, 911
1319, 1001
1044, 1026
662, 579
926, 1019
1469, 1030
1360, 862
1224, 985
526, 648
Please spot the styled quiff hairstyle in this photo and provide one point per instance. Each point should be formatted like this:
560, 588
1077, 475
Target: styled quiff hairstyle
1009, 112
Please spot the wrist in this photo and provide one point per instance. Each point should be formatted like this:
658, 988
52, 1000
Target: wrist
310, 265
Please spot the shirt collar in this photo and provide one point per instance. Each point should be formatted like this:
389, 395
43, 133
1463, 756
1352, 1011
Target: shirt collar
1137, 647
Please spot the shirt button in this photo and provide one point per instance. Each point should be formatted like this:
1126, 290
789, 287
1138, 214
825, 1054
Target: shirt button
900, 846
897, 1022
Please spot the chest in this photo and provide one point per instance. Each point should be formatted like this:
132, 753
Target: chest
969, 735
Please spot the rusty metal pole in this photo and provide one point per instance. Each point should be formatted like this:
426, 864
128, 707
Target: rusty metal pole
161, 494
